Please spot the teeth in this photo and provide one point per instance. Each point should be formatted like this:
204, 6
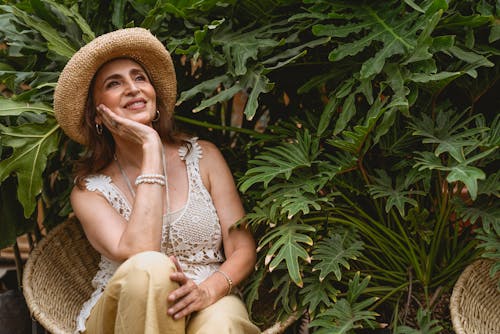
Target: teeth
136, 104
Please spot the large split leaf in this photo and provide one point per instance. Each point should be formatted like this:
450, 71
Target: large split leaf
281, 161
396, 195
318, 293
10, 107
286, 246
335, 252
32, 144
386, 24
348, 313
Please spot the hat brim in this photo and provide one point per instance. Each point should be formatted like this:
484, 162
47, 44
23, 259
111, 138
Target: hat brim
71, 93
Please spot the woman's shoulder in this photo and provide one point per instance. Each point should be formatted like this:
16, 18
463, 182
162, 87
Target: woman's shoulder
195, 148
207, 146
206, 149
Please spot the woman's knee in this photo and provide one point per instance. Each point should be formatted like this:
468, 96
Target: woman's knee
149, 261
146, 269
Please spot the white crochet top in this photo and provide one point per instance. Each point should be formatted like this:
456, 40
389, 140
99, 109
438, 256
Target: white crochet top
192, 234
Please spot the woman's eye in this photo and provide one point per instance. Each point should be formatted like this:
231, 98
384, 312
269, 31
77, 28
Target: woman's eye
140, 78
111, 84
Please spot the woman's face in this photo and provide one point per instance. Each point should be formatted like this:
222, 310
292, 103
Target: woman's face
124, 87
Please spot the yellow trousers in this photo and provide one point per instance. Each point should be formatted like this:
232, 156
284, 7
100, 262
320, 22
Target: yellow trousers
135, 302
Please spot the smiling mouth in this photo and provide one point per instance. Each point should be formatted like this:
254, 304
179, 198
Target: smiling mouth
136, 105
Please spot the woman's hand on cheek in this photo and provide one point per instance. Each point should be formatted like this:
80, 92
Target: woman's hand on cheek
124, 127
188, 298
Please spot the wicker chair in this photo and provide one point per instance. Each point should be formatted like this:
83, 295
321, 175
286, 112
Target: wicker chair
475, 301
57, 279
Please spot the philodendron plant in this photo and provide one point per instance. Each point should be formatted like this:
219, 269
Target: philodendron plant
364, 138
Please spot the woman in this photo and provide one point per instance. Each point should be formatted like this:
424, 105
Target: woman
157, 206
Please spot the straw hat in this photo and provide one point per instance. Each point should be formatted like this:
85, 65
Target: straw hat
70, 96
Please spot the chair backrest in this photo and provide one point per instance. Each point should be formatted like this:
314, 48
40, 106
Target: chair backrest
57, 277
475, 301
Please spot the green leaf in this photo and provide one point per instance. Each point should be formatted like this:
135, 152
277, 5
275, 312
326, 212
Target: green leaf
441, 76
414, 6
118, 13
347, 314
286, 246
205, 87
494, 33
426, 325
73, 14
32, 144
396, 196
55, 41
240, 47
468, 175
260, 85
470, 57
331, 30
450, 131
288, 55
334, 252
326, 116
318, 293
280, 161
354, 141
380, 23
291, 199
224, 95
490, 186
285, 299
348, 111
10, 107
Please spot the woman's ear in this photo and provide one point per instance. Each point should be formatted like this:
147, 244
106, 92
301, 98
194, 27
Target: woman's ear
97, 119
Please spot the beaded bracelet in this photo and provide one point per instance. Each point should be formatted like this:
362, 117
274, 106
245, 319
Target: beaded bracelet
150, 178
229, 281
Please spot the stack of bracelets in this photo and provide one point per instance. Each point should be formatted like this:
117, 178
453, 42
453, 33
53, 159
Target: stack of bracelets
151, 178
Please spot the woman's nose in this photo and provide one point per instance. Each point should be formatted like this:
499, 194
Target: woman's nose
132, 88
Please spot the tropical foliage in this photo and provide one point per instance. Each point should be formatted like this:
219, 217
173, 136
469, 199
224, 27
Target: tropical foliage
363, 135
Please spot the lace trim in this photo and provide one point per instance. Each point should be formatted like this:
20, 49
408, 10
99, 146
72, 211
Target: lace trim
195, 152
104, 185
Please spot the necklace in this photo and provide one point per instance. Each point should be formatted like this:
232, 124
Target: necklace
165, 223
125, 177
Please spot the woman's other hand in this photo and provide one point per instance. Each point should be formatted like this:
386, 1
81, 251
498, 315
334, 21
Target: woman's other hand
189, 297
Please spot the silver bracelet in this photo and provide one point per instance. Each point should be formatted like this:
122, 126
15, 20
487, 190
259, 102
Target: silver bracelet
150, 178
229, 281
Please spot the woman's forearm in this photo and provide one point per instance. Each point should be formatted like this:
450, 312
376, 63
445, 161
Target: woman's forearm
144, 228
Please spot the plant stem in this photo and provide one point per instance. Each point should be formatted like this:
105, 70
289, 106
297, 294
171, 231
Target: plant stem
208, 125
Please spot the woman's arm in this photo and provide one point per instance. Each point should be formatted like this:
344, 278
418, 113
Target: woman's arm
239, 245
106, 229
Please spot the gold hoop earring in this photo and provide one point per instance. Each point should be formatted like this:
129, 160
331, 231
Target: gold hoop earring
157, 116
98, 129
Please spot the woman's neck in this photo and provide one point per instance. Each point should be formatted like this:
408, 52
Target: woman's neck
129, 154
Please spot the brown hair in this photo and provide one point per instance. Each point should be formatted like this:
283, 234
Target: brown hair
100, 149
